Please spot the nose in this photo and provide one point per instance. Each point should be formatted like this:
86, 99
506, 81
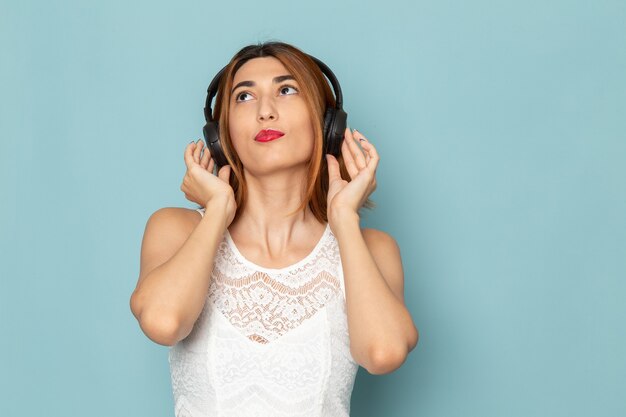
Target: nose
267, 111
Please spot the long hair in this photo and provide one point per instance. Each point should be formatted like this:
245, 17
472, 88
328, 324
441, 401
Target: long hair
317, 94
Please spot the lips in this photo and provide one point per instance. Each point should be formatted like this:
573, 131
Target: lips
267, 135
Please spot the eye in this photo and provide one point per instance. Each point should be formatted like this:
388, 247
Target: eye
285, 89
242, 94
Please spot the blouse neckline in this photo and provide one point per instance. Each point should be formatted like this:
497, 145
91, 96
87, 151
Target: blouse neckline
301, 262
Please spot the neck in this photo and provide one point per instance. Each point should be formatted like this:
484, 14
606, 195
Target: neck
270, 199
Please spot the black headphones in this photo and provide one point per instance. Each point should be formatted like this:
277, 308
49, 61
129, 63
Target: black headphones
334, 119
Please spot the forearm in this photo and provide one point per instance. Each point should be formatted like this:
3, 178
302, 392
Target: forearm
379, 324
172, 296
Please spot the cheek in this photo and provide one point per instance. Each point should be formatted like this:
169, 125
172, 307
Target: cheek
237, 124
304, 120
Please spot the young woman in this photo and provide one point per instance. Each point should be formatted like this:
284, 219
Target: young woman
271, 295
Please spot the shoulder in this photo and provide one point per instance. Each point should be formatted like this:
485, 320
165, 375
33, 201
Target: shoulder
377, 238
386, 254
174, 220
381, 244
178, 213
166, 231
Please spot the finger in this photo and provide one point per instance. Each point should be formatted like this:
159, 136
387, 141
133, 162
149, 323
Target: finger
348, 159
333, 168
196, 152
362, 140
206, 158
224, 174
357, 153
189, 154
211, 166
372, 153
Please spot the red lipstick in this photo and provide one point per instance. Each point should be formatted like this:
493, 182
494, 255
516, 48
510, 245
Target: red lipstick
267, 135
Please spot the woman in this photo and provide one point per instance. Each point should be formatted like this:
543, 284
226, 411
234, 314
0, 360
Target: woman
272, 296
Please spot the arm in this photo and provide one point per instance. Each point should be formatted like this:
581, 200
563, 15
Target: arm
176, 264
382, 332
177, 252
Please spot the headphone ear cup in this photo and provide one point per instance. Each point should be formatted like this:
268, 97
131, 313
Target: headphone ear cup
212, 141
334, 130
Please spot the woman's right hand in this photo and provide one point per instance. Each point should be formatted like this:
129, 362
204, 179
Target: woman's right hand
201, 186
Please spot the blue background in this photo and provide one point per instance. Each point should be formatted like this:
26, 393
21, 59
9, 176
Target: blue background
502, 133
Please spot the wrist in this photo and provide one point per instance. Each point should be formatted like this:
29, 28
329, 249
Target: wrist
221, 199
222, 207
343, 216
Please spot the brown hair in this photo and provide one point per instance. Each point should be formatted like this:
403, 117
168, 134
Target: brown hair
317, 95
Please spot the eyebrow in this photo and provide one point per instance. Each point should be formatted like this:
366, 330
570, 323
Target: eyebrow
276, 80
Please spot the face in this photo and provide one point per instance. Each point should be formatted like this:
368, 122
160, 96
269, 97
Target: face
265, 96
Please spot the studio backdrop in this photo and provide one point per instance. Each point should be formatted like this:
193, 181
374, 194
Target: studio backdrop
502, 137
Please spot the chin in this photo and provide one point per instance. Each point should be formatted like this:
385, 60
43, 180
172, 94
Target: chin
273, 165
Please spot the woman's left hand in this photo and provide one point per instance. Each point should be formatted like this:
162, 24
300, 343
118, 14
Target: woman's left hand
350, 196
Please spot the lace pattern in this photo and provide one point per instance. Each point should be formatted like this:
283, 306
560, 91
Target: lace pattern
263, 308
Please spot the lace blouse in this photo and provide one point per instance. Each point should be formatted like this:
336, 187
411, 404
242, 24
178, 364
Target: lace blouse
268, 342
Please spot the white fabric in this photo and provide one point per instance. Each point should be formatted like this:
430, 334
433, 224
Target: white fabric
269, 342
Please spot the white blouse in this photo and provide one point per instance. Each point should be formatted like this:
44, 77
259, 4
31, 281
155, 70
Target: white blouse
269, 342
